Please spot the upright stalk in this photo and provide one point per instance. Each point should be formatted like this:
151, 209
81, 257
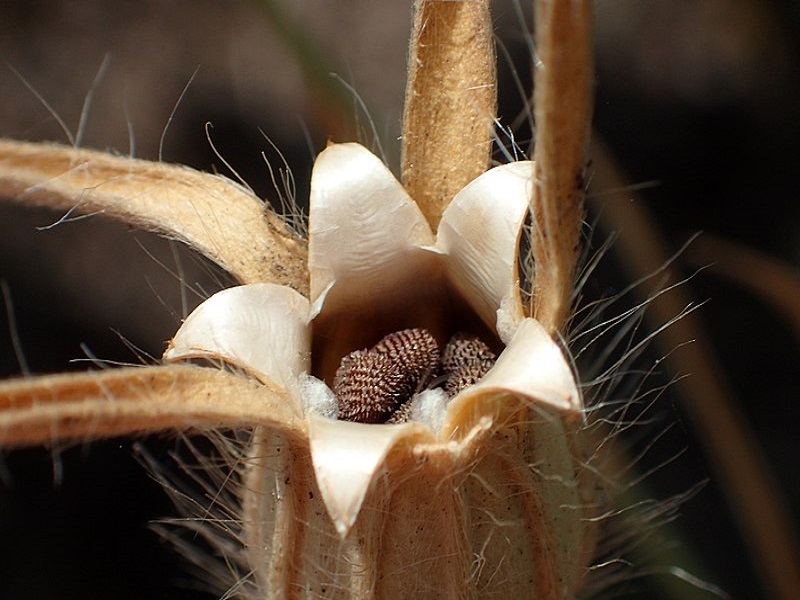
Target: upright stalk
563, 74
451, 101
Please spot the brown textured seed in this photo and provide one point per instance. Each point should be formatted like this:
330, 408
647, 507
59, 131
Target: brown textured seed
372, 384
369, 387
403, 414
377, 385
414, 349
465, 360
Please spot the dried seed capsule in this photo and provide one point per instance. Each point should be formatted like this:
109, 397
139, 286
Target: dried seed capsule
372, 384
465, 360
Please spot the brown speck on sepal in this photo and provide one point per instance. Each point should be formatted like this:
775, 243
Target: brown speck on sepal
465, 360
372, 384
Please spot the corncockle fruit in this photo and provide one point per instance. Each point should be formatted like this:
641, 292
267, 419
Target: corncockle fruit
481, 489
433, 488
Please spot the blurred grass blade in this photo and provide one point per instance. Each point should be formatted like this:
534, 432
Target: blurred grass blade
735, 454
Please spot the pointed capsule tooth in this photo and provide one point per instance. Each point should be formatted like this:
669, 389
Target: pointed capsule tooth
531, 366
479, 232
354, 197
346, 459
262, 328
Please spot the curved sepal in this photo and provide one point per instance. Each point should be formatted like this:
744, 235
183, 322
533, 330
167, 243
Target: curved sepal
480, 232
347, 458
137, 400
261, 328
212, 214
361, 221
532, 368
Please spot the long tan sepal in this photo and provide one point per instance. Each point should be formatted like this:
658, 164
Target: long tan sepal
135, 400
562, 111
212, 214
450, 102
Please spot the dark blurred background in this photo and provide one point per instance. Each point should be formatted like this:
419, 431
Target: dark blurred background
698, 100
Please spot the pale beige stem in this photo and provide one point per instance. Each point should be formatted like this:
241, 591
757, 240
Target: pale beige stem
562, 112
135, 400
450, 102
739, 462
210, 213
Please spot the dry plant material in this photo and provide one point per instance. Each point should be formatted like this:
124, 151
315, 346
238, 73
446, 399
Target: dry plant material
438, 474
484, 492
386, 383
246, 239
451, 100
133, 401
324, 487
465, 360
373, 384
562, 112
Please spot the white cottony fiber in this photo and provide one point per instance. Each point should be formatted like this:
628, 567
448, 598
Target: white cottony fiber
317, 397
429, 408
